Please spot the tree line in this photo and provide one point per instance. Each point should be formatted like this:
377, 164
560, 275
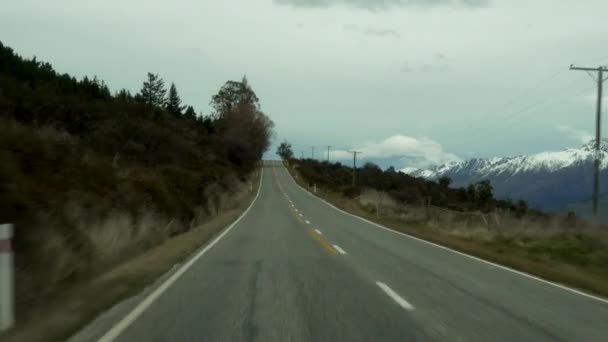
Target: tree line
400, 186
237, 130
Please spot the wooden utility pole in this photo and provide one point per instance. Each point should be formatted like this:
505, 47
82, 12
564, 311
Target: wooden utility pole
598, 137
355, 165
328, 147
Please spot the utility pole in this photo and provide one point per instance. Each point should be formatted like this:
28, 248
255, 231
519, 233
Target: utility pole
354, 164
328, 147
598, 121
313, 152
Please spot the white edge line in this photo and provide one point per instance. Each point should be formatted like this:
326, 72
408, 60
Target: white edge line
318, 232
301, 215
527, 275
307, 222
121, 326
336, 247
396, 297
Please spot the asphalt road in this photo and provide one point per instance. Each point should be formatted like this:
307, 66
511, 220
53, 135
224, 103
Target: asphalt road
295, 269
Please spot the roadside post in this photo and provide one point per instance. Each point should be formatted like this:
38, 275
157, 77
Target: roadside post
7, 304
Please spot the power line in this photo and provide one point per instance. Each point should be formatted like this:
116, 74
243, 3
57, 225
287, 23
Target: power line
511, 126
598, 134
513, 116
504, 108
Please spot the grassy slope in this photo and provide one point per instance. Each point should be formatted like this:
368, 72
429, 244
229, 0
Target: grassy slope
570, 258
81, 302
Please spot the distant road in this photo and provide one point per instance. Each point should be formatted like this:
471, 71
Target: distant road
296, 269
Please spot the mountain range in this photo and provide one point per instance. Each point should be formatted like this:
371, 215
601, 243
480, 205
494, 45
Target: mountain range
551, 181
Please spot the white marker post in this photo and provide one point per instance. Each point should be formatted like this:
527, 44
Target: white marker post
7, 303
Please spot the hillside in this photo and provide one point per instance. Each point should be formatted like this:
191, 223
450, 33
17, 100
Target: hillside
90, 178
547, 180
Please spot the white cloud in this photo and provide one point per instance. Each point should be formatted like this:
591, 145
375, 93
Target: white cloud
581, 136
424, 150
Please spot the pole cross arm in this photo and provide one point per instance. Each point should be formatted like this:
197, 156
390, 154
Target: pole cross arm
602, 68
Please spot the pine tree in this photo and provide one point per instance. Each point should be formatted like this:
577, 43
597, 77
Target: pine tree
153, 91
124, 95
190, 113
174, 103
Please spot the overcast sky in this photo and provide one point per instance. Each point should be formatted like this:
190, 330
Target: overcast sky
417, 81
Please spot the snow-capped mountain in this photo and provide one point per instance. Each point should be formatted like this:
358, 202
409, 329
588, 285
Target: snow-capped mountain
548, 180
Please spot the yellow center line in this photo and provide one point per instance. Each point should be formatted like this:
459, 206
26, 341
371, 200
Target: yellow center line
322, 242
314, 234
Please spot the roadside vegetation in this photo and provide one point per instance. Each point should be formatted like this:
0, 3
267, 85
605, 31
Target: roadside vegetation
92, 178
561, 248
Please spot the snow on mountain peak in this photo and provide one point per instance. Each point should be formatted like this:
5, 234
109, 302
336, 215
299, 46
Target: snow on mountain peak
590, 146
544, 161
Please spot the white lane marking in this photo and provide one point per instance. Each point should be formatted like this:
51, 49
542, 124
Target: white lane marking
318, 232
521, 273
336, 247
307, 222
296, 209
301, 215
121, 326
397, 298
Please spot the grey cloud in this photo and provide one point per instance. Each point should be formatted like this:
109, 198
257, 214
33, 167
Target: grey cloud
378, 5
371, 31
382, 33
195, 51
351, 28
408, 67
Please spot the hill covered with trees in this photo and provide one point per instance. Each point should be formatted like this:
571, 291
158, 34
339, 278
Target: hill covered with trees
90, 177
406, 189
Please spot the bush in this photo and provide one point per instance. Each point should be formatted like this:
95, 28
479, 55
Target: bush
351, 192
